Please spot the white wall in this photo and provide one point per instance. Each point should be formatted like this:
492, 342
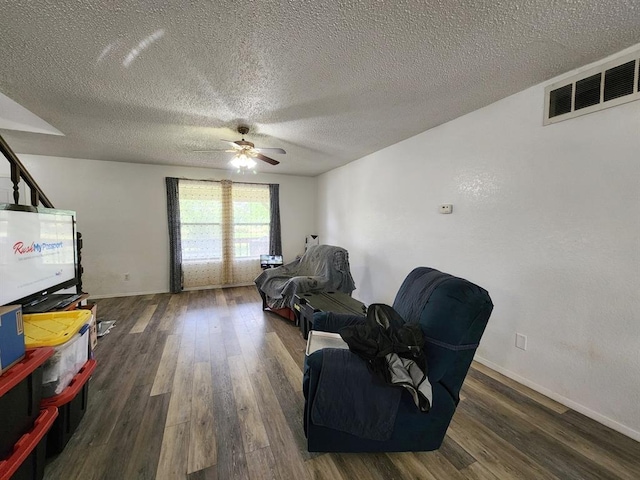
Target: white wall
547, 219
122, 214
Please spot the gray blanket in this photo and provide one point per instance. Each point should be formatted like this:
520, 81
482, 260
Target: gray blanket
322, 268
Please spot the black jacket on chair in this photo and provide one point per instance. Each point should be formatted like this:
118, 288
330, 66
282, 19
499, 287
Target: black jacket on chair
393, 350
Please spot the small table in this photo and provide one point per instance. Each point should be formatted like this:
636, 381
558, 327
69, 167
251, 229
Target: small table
306, 304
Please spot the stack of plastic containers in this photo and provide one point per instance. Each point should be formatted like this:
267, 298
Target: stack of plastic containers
43, 397
65, 380
23, 425
71, 405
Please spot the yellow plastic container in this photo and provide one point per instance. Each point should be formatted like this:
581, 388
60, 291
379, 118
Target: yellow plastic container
53, 329
65, 333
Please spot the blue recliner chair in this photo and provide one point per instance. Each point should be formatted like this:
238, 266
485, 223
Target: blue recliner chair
453, 314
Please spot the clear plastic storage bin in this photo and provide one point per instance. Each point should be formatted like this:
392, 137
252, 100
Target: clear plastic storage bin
68, 334
63, 365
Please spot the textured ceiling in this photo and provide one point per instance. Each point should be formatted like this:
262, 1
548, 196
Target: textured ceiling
329, 81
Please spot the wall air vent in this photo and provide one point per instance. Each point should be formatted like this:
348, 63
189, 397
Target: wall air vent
607, 85
619, 81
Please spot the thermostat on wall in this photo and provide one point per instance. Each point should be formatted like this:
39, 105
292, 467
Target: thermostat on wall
446, 208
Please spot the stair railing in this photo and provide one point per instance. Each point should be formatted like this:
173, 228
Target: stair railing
18, 172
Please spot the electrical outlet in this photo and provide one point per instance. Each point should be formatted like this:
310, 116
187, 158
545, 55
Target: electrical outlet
446, 208
126, 277
521, 341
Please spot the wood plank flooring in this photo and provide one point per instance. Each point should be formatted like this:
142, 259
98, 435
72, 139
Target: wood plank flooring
205, 385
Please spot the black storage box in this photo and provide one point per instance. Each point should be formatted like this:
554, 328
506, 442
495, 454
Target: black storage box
306, 304
71, 404
20, 394
27, 459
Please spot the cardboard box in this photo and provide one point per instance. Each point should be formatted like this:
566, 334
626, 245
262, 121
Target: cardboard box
11, 336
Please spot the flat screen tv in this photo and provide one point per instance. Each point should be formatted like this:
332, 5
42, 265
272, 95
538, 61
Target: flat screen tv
38, 253
270, 261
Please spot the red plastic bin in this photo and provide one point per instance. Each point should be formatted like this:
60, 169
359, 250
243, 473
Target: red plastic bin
28, 457
71, 404
20, 394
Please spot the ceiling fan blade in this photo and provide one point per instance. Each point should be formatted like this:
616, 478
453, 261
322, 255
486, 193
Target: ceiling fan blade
267, 159
270, 150
233, 144
216, 150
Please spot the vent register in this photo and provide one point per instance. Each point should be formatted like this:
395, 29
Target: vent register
604, 86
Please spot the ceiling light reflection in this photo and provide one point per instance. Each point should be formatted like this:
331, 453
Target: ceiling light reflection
144, 44
106, 51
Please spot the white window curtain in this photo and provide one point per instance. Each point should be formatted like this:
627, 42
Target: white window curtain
224, 229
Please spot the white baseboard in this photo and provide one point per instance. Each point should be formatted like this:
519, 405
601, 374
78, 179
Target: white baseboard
127, 294
133, 294
211, 287
629, 432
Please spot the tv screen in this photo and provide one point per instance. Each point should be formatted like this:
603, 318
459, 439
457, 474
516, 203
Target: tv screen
37, 252
270, 260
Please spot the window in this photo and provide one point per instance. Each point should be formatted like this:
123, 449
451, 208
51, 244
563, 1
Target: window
250, 220
201, 220
224, 229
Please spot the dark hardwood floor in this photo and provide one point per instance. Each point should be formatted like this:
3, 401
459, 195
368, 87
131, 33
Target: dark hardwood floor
205, 385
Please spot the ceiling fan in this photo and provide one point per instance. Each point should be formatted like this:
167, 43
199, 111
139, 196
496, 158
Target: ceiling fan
246, 151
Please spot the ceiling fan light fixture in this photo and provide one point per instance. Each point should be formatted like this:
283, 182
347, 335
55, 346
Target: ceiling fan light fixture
243, 162
245, 153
